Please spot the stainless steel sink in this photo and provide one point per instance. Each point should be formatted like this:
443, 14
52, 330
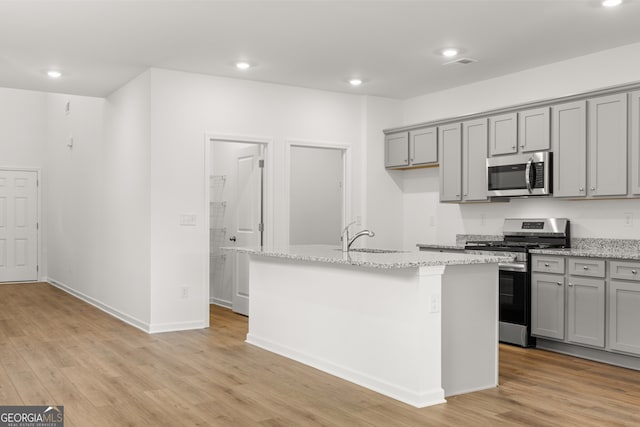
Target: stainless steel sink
376, 251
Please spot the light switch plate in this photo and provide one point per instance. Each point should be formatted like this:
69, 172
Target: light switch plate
188, 219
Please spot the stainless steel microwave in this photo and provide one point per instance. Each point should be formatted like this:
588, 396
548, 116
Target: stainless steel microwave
520, 175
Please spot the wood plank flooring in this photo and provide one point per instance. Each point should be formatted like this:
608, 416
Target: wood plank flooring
56, 349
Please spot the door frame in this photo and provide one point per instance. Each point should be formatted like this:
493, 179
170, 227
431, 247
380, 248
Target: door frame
267, 143
346, 173
40, 271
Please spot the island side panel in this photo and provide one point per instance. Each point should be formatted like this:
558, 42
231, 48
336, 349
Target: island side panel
469, 328
366, 325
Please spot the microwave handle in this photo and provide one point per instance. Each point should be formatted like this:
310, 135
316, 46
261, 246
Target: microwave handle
527, 175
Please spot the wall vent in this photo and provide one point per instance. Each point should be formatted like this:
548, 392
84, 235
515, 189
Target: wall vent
463, 61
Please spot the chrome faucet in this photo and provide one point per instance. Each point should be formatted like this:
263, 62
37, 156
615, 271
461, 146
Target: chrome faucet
347, 242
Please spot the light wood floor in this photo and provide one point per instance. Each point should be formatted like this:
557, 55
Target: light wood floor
55, 349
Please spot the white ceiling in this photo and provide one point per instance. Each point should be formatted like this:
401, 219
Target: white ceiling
392, 45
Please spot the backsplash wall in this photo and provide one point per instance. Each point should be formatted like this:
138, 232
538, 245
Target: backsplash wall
426, 220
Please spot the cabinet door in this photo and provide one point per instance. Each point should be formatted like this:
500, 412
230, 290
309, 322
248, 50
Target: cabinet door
569, 139
585, 310
474, 160
423, 146
534, 130
396, 150
608, 145
503, 134
547, 305
450, 162
624, 316
635, 143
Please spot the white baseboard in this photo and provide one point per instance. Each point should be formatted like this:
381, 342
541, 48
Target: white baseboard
419, 399
156, 328
221, 302
130, 320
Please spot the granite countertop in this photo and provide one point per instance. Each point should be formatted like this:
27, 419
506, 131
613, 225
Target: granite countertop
334, 255
609, 253
598, 248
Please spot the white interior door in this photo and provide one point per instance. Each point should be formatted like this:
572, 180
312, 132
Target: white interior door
246, 230
18, 226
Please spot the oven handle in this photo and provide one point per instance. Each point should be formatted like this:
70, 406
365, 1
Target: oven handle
527, 175
513, 266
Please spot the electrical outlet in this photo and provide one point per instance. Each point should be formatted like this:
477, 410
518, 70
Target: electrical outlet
184, 292
628, 219
434, 304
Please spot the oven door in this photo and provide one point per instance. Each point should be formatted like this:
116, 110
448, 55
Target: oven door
514, 298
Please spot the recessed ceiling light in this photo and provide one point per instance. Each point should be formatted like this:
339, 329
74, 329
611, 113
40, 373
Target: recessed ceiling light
355, 82
54, 74
243, 65
449, 52
611, 3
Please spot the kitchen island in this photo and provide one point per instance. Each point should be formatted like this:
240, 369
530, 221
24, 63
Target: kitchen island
414, 326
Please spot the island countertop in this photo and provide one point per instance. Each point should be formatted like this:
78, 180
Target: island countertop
386, 259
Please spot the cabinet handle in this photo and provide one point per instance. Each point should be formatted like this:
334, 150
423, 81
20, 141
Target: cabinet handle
411, 160
559, 284
634, 272
546, 264
585, 267
513, 147
570, 284
581, 189
406, 161
593, 188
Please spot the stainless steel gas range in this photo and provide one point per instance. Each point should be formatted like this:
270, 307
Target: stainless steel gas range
520, 236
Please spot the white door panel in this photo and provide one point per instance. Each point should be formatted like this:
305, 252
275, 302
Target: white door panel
18, 226
246, 220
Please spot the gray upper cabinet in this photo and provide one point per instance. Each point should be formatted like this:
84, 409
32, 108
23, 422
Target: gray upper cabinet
547, 305
503, 134
624, 316
585, 311
474, 155
607, 154
396, 150
635, 143
569, 139
423, 146
534, 130
415, 148
450, 146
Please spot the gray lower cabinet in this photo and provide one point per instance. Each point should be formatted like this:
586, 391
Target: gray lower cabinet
607, 154
547, 305
586, 311
474, 164
569, 141
450, 147
396, 150
624, 316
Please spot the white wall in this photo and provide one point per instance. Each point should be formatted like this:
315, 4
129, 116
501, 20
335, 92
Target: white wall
23, 136
183, 108
589, 218
98, 199
384, 197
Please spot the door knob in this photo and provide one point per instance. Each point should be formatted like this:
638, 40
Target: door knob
232, 238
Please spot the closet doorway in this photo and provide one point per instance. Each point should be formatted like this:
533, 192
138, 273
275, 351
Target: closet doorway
236, 217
